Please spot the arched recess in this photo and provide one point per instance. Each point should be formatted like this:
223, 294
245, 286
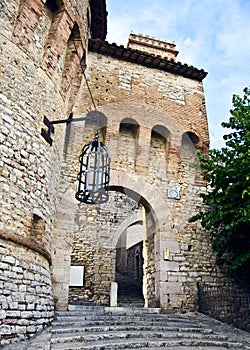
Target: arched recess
159, 149
35, 25
71, 61
189, 145
43, 28
59, 32
78, 134
77, 67
26, 22
128, 141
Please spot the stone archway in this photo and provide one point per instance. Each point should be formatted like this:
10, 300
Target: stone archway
158, 235
93, 231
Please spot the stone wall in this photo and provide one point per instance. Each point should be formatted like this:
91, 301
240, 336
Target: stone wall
39, 76
228, 303
25, 287
94, 244
33, 66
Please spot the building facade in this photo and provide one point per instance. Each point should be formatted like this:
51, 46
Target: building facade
55, 63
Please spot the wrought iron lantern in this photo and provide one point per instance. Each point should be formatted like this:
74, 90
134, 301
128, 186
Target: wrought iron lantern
93, 177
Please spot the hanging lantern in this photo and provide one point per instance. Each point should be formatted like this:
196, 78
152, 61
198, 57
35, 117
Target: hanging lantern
93, 177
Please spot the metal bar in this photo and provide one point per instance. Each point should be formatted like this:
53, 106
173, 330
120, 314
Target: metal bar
47, 134
69, 120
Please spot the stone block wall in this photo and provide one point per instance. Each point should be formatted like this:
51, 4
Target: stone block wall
37, 54
94, 243
32, 87
228, 303
135, 262
25, 292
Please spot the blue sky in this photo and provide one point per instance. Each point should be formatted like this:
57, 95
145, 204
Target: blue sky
209, 34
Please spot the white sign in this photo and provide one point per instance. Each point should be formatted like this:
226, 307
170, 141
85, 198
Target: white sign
76, 276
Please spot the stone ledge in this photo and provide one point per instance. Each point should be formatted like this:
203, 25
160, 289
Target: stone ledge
25, 242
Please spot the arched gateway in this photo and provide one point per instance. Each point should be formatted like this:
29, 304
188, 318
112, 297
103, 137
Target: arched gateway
143, 230
91, 241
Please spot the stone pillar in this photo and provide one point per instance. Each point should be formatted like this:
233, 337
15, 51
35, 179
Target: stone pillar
169, 287
113, 294
61, 261
112, 136
145, 259
61, 249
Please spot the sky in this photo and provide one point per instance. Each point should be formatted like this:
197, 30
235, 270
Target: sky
213, 35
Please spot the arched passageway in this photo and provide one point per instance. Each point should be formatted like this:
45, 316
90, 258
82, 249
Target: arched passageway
91, 235
113, 244
129, 269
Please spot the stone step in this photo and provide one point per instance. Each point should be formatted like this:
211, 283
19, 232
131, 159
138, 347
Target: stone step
184, 348
123, 320
102, 328
135, 304
116, 313
129, 328
119, 320
106, 309
147, 343
83, 336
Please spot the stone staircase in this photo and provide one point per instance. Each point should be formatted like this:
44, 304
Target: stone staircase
129, 293
100, 328
96, 328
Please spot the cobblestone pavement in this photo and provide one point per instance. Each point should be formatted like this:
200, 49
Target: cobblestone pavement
108, 330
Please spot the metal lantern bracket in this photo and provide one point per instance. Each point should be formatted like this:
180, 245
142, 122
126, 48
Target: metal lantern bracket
46, 134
